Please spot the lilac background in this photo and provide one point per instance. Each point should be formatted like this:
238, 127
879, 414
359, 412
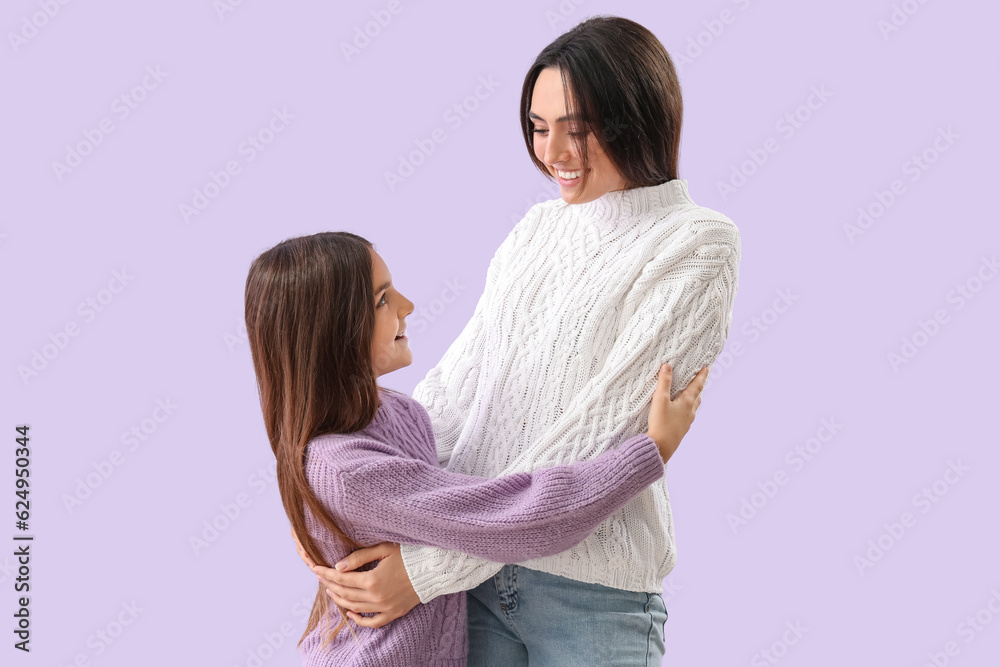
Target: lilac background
174, 332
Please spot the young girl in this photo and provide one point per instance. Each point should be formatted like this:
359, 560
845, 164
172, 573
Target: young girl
357, 464
586, 297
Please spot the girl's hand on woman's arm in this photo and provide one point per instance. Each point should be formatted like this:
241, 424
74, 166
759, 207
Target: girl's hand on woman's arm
384, 590
669, 421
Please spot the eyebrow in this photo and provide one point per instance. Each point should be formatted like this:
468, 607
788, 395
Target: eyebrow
560, 119
383, 287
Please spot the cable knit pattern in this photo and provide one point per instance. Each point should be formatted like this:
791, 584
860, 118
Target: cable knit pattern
384, 484
582, 304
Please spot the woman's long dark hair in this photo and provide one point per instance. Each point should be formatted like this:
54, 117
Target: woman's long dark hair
620, 79
310, 317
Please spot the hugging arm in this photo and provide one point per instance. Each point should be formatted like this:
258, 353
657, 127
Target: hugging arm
510, 518
678, 311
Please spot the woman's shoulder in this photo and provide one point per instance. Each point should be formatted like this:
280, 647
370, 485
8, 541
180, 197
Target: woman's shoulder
711, 226
688, 227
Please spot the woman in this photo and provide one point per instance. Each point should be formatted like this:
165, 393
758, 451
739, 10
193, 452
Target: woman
357, 464
587, 295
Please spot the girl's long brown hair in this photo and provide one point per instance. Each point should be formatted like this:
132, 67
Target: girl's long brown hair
310, 317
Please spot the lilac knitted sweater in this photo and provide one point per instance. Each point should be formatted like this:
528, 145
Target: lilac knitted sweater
384, 484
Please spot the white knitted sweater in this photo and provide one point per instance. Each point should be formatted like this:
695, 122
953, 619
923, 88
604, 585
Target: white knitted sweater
558, 363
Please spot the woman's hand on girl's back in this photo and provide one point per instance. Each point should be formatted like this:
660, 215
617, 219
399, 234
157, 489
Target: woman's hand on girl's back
385, 590
669, 421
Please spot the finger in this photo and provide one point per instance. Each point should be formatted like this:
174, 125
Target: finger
355, 595
358, 580
327, 574
696, 384
664, 377
362, 556
368, 621
354, 605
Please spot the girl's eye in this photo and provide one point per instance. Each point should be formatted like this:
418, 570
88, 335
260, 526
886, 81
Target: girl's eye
537, 131
381, 302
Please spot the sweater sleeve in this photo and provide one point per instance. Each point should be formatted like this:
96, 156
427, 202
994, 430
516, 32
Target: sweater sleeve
510, 518
679, 310
446, 395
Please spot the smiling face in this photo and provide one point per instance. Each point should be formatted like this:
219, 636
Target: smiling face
390, 349
554, 133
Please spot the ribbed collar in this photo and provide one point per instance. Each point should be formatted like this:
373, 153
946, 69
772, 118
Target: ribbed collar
388, 406
634, 202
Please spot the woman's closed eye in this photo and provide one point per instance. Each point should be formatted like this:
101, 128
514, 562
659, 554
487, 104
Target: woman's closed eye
572, 134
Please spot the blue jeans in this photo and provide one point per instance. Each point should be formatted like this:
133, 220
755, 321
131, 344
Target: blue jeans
526, 617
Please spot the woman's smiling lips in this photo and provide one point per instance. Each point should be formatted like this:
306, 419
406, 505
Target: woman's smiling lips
574, 177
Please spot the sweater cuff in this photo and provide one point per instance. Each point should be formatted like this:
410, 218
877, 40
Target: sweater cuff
434, 571
420, 568
642, 452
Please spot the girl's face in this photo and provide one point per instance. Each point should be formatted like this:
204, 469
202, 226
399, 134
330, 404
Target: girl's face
390, 348
554, 145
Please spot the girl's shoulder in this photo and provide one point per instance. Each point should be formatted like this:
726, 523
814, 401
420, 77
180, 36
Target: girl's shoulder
400, 428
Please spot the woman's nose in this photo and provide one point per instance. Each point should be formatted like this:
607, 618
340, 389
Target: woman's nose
557, 148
